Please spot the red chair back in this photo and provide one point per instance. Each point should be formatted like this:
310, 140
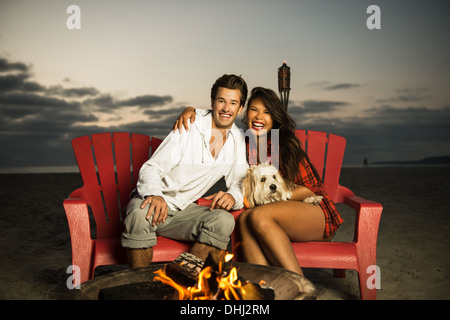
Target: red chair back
326, 156
109, 165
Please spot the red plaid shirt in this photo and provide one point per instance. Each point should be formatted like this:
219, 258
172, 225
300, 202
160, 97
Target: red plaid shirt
306, 177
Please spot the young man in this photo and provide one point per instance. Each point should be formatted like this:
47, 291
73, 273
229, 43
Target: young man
182, 169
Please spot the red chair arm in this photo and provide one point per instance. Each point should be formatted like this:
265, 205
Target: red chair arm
203, 202
207, 203
80, 235
368, 214
77, 193
78, 219
357, 203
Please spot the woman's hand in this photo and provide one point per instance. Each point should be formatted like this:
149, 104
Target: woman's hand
182, 120
300, 193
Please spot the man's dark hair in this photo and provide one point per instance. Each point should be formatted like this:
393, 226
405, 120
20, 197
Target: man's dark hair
233, 82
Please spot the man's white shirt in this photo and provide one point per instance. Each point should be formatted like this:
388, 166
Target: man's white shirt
182, 169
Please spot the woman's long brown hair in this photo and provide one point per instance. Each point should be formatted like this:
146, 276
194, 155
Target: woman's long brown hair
291, 152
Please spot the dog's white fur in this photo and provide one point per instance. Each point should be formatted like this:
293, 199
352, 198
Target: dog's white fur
264, 184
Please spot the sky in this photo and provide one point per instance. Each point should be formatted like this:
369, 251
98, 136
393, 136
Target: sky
135, 65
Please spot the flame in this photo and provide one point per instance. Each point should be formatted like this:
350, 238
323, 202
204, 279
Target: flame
164, 278
229, 286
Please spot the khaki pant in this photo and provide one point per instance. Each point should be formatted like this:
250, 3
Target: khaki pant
195, 223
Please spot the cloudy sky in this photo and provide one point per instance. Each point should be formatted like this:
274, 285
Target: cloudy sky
134, 65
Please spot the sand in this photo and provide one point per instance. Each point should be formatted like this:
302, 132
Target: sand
413, 243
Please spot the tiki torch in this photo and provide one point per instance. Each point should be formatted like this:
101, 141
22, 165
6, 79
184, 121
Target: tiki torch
284, 83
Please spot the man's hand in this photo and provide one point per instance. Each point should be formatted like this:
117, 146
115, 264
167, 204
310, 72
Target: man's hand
221, 200
158, 207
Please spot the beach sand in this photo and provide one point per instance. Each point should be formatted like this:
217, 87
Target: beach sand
413, 243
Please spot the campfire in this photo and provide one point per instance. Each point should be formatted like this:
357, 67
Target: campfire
213, 279
188, 277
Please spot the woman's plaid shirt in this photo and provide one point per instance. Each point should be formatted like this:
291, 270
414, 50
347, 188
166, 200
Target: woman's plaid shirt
307, 178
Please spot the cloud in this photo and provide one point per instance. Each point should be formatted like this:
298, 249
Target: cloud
72, 92
14, 77
101, 103
326, 85
319, 106
342, 86
303, 111
6, 66
164, 113
38, 122
33, 100
408, 95
106, 102
403, 126
397, 115
389, 133
17, 82
147, 101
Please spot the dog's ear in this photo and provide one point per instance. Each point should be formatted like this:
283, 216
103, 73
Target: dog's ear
287, 189
280, 177
248, 185
245, 186
252, 187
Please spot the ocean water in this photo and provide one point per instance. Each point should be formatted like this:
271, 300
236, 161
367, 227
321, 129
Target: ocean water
74, 169
423, 185
386, 184
402, 188
43, 169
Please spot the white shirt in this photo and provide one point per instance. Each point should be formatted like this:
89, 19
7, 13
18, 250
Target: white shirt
182, 169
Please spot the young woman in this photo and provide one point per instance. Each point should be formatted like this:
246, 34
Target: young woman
267, 230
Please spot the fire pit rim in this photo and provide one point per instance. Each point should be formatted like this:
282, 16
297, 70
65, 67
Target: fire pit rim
90, 289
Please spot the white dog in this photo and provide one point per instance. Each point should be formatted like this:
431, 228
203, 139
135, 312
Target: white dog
264, 184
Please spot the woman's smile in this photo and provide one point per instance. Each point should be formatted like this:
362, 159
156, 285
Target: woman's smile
258, 118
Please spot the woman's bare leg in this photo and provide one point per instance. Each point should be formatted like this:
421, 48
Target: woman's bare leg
250, 247
275, 225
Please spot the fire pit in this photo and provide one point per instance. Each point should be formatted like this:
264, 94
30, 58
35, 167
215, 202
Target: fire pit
286, 285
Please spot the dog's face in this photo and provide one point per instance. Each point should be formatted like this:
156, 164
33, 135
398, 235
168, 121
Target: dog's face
264, 184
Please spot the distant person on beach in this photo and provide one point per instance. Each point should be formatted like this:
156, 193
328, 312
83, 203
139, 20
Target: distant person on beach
185, 166
267, 230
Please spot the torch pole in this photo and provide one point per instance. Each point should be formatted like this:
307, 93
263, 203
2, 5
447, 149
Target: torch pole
284, 83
